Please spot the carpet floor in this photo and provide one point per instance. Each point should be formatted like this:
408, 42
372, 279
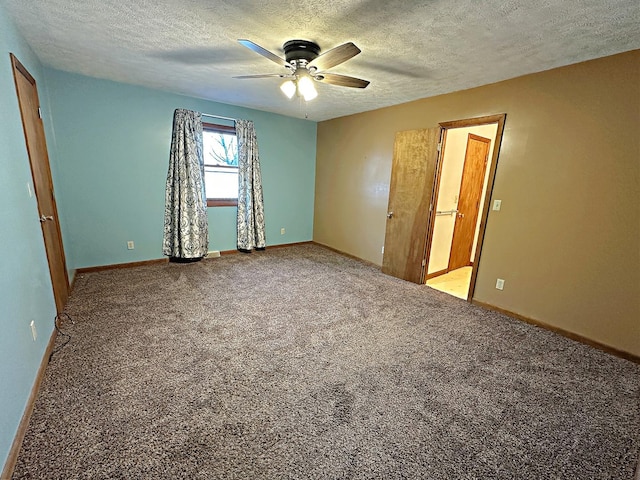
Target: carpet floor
300, 363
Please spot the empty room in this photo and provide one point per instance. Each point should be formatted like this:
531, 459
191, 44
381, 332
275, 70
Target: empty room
342, 240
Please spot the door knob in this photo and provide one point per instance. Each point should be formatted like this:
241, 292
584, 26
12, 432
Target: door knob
460, 215
390, 214
44, 218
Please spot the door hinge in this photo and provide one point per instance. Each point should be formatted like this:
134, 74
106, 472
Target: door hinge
440, 147
424, 262
431, 207
40, 113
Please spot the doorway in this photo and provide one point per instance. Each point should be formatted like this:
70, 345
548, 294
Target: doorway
408, 252
43, 184
461, 191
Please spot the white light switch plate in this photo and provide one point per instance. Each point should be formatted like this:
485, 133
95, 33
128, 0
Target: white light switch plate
497, 204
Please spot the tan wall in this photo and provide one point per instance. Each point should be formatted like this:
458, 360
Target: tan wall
567, 240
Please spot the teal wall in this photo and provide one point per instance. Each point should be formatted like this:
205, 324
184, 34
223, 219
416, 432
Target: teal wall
109, 150
112, 142
25, 285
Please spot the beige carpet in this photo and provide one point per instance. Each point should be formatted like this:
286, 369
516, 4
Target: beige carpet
299, 363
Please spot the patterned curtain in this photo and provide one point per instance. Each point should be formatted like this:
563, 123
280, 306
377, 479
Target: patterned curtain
250, 206
186, 229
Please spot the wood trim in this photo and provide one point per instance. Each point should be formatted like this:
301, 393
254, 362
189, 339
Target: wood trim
493, 165
473, 122
366, 262
269, 247
216, 127
155, 261
565, 333
99, 268
478, 138
433, 201
16, 445
434, 204
222, 202
294, 244
437, 274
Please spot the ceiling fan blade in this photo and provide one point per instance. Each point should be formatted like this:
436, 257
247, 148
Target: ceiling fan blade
264, 52
335, 56
341, 80
266, 75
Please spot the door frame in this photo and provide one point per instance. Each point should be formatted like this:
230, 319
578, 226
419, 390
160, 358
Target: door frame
471, 122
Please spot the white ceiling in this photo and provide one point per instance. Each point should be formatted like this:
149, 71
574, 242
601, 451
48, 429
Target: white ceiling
410, 49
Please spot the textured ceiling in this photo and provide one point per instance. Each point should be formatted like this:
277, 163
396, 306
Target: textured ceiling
410, 49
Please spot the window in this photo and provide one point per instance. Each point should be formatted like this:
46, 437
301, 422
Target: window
220, 151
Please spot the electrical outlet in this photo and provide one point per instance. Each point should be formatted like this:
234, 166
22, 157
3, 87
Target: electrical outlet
130, 245
34, 332
282, 231
500, 284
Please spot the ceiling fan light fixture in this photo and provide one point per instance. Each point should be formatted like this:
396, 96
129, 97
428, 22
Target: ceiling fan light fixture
306, 88
288, 88
305, 64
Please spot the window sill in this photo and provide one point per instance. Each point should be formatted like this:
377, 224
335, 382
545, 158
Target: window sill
222, 202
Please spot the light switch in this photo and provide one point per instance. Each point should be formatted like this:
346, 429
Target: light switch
497, 204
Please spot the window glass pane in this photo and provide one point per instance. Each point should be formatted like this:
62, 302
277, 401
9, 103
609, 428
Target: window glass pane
220, 148
221, 182
221, 164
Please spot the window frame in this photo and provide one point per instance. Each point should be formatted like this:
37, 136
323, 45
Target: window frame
220, 202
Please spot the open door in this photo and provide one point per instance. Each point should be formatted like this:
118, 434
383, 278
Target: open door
42, 182
415, 157
473, 175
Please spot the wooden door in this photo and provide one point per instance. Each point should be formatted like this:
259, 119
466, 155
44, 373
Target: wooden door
471, 186
415, 156
42, 183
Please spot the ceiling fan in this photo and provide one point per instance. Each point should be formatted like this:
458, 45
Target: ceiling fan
305, 63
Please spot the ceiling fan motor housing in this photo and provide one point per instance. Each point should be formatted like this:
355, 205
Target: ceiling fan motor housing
295, 50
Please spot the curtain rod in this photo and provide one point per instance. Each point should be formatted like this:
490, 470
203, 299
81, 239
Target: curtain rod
218, 116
